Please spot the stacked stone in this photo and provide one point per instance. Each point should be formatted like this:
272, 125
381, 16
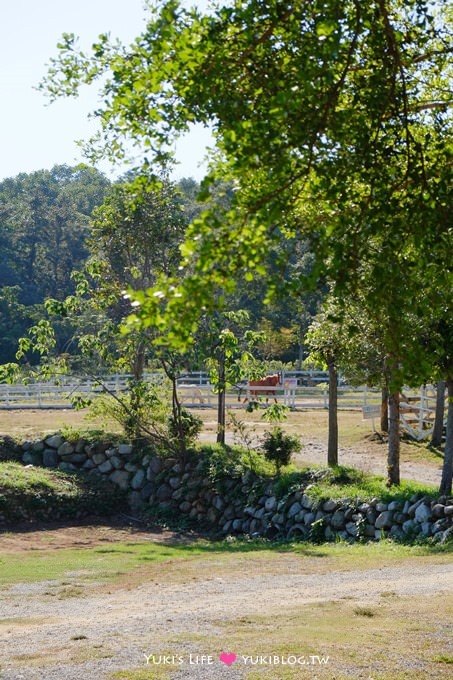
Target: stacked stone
245, 504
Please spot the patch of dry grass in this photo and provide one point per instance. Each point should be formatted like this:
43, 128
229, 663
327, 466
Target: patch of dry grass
404, 638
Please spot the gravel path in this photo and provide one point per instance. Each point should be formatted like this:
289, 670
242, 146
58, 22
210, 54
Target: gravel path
124, 623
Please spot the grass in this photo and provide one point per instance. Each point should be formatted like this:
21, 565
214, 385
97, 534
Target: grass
389, 644
346, 482
42, 493
120, 561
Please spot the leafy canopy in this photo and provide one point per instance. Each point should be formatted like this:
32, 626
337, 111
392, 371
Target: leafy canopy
332, 118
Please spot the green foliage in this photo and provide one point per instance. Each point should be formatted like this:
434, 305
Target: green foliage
276, 413
186, 426
343, 482
220, 463
314, 152
40, 494
142, 411
10, 449
279, 447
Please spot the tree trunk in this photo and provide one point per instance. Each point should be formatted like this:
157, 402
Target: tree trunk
332, 446
393, 459
447, 467
138, 364
176, 407
385, 408
221, 403
436, 437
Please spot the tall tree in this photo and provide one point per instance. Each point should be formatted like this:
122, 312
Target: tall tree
332, 119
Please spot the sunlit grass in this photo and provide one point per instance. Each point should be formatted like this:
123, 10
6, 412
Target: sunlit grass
120, 560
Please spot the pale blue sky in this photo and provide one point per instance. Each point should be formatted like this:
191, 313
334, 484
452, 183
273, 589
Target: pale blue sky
33, 134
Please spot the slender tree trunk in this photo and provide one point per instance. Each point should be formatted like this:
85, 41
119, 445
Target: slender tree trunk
447, 468
332, 445
393, 459
221, 403
385, 408
138, 369
176, 408
300, 359
436, 437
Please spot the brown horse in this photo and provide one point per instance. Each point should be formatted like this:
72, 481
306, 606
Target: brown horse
259, 386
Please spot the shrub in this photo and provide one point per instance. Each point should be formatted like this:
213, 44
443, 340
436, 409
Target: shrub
279, 447
185, 427
143, 410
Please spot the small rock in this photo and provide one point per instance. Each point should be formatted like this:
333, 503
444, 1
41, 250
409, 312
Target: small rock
125, 449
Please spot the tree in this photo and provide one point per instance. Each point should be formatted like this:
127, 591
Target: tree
438, 427
333, 121
44, 219
228, 348
134, 237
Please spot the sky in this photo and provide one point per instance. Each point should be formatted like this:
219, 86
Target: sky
36, 135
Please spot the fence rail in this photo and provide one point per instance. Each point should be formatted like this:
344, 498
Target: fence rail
303, 389
298, 390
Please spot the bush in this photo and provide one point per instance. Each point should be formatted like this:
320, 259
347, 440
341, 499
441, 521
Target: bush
279, 447
142, 410
186, 427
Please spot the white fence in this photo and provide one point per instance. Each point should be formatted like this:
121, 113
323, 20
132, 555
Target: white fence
300, 389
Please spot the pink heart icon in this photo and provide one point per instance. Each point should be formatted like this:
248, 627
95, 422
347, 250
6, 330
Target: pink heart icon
228, 659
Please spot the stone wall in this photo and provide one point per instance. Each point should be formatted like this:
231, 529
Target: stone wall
241, 503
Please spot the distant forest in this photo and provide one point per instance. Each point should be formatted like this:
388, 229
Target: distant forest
52, 223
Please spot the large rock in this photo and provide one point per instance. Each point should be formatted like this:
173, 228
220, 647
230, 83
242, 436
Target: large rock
423, 513
330, 505
138, 479
306, 502
164, 492
49, 458
337, 519
125, 449
120, 478
65, 449
218, 503
270, 504
105, 467
438, 510
384, 520
294, 509
54, 442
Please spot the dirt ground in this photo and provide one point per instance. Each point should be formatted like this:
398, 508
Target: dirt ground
72, 629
